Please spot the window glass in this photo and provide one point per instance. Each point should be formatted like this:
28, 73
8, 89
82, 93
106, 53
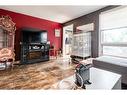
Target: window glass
3, 39
115, 51
115, 35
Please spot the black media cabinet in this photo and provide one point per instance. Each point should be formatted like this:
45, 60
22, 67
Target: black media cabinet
34, 52
34, 47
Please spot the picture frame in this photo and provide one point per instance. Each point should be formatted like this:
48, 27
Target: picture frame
57, 32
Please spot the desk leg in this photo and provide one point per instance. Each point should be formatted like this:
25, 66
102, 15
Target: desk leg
117, 85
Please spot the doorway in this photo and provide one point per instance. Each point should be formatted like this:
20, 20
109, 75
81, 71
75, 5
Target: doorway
67, 40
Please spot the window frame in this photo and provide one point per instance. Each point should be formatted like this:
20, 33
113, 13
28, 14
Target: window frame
115, 44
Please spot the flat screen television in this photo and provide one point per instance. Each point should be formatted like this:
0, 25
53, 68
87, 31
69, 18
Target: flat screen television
34, 36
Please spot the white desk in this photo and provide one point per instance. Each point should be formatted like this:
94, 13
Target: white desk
64, 62
101, 79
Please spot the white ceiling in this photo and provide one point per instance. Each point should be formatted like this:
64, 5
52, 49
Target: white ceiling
59, 14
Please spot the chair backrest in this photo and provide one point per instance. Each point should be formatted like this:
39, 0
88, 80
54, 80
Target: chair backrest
6, 54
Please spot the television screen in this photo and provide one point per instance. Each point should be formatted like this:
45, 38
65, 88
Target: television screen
38, 37
34, 36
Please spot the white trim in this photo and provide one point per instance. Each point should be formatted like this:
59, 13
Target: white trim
114, 56
115, 44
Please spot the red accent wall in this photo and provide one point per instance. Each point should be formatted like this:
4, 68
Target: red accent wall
22, 20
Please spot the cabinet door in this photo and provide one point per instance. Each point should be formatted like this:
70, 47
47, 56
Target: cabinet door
82, 44
3, 39
75, 45
87, 44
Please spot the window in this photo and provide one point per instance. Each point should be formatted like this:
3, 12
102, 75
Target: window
113, 32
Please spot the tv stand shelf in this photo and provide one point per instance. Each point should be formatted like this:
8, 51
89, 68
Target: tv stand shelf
36, 43
36, 50
34, 55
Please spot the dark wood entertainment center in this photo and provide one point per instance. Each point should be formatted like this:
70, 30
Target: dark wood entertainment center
33, 48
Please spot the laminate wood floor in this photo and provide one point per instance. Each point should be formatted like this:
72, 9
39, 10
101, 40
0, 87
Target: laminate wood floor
34, 76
